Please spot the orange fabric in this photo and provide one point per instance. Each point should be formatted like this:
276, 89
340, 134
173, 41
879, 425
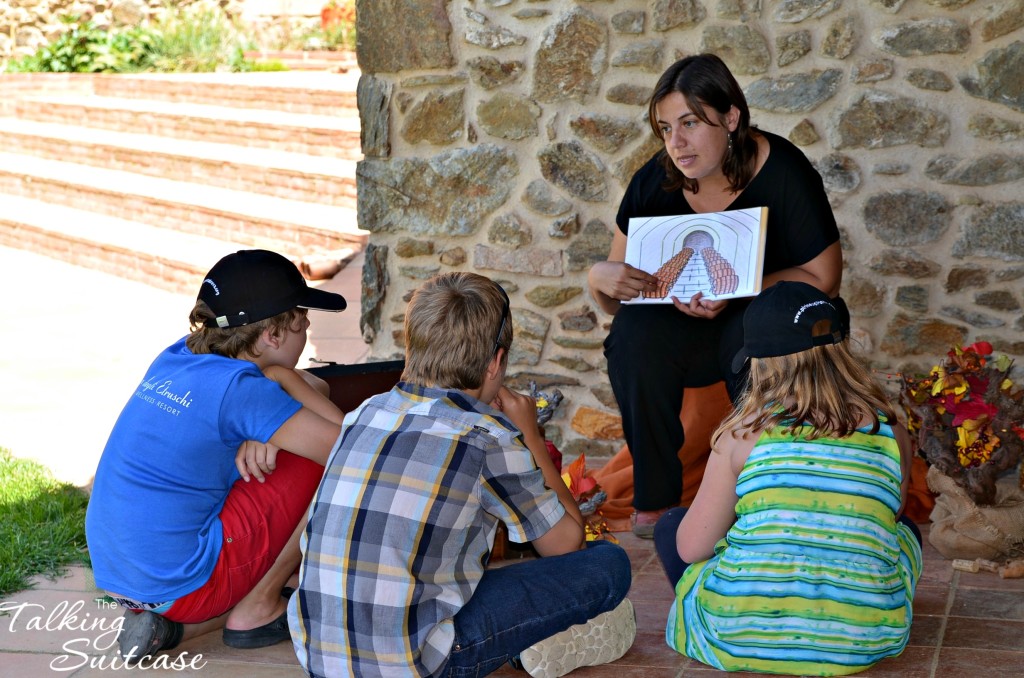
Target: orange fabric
920, 499
703, 409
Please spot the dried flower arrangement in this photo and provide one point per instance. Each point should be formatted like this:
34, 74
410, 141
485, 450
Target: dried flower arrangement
967, 415
582, 488
590, 496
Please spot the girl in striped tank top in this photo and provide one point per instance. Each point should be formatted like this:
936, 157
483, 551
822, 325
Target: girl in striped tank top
802, 561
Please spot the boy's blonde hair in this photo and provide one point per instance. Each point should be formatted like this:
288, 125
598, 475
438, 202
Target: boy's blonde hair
824, 387
232, 342
454, 324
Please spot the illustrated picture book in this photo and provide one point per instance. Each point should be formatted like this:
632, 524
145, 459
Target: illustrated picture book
718, 253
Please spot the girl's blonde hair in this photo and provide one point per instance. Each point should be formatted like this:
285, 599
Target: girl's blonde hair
825, 388
233, 342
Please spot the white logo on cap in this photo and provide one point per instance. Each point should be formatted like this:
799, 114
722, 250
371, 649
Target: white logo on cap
216, 290
803, 308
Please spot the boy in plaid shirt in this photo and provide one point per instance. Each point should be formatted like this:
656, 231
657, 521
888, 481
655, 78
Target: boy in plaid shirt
393, 579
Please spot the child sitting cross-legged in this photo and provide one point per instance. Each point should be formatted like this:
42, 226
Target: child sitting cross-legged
801, 560
393, 579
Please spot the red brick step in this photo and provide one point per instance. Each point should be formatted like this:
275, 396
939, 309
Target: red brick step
292, 227
170, 261
287, 92
330, 181
151, 177
297, 133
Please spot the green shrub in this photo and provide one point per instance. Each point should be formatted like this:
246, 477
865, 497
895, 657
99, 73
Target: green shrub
85, 48
268, 66
193, 40
239, 64
134, 47
340, 36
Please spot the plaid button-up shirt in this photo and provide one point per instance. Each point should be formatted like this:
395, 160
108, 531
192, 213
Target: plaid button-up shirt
402, 527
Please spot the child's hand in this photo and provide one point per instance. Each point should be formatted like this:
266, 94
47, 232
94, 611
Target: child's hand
254, 459
521, 409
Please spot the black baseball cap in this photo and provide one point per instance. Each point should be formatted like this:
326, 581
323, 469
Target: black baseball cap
790, 317
253, 285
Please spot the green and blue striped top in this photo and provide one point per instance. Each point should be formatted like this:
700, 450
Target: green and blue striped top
816, 576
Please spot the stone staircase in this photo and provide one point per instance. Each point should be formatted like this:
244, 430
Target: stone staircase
155, 177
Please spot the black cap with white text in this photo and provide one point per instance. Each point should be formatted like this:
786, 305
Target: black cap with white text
790, 317
253, 285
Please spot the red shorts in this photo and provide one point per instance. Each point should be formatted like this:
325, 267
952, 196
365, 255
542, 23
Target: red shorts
258, 519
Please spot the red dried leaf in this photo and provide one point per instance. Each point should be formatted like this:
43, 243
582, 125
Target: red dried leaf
977, 383
579, 484
972, 410
982, 348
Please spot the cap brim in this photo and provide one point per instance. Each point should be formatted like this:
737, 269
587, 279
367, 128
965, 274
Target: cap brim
739, 361
320, 300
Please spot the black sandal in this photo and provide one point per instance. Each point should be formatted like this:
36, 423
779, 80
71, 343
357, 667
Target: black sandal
261, 636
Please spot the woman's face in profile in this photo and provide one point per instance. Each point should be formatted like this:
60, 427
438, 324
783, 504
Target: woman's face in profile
696, 147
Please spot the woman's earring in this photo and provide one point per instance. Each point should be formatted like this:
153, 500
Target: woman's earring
729, 136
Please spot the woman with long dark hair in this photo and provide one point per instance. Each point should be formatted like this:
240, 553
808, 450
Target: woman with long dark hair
713, 160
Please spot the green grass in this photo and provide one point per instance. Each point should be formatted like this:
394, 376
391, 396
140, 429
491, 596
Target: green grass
42, 523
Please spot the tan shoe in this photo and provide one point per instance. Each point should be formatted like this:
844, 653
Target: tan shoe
643, 522
603, 639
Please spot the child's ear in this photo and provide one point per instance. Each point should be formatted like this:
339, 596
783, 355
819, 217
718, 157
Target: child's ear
271, 337
494, 367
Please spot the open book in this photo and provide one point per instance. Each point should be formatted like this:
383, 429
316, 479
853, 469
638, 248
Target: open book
718, 253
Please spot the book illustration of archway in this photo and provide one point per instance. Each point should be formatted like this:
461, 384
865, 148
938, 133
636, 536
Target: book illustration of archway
719, 270
723, 276
719, 254
669, 273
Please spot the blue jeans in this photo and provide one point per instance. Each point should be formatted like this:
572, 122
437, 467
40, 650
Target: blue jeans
665, 542
518, 605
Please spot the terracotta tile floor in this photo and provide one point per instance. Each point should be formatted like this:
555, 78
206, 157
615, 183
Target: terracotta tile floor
965, 625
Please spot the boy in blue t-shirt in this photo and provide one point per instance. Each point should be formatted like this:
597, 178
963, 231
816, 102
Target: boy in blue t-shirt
177, 533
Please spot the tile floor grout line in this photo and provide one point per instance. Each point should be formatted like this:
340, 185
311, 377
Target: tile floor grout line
953, 585
653, 557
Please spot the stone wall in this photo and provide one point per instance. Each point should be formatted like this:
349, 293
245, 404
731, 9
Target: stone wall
499, 135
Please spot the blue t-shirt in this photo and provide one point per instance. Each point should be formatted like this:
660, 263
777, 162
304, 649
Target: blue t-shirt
153, 523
